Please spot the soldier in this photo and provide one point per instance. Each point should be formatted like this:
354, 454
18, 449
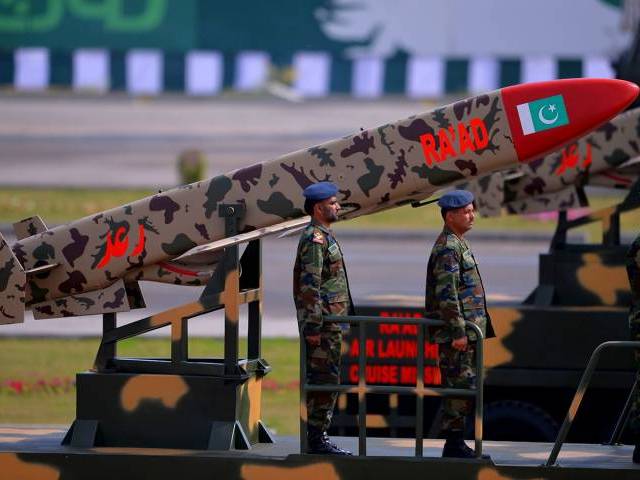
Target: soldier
320, 287
454, 293
633, 271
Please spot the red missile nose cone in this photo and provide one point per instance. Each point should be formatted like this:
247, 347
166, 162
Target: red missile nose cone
545, 116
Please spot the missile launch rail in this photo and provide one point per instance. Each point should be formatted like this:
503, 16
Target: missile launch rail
190, 403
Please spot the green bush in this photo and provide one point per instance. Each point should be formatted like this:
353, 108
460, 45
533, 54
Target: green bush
192, 166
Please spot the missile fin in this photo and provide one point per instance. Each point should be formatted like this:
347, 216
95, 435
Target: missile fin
41, 269
245, 237
114, 298
563, 200
29, 227
12, 286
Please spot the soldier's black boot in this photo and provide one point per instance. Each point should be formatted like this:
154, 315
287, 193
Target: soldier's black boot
318, 443
455, 447
636, 453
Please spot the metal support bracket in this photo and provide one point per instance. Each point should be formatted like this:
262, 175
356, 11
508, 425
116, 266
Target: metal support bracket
82, 434
228, 436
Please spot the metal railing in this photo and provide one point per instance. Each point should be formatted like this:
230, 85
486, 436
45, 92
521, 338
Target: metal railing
419, 390
579, 395
622, 420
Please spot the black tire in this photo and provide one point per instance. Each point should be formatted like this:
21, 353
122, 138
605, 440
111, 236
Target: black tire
518, 421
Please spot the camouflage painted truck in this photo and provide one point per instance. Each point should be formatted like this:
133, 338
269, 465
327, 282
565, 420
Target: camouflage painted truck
543, 343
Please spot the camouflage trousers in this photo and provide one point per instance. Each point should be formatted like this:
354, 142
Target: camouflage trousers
323, 368
458, 370
634, 415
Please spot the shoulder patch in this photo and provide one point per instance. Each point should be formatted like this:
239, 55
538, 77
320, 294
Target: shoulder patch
318, 237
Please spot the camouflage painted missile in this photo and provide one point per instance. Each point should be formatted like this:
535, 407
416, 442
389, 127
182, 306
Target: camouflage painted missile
93, 265
621, 177
605, 157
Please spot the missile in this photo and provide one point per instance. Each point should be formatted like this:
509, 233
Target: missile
93, 265
606, 157
622, 177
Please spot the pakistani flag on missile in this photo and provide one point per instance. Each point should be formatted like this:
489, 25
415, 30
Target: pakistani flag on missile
542, 114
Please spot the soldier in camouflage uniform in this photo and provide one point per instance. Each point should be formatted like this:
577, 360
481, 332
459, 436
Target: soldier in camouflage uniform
455, 294
320, 287
633, 271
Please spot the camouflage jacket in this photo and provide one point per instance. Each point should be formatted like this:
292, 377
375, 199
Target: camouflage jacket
454, 290
320, 285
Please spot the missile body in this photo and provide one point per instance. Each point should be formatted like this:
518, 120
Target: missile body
598, 154
375, 169
608, 157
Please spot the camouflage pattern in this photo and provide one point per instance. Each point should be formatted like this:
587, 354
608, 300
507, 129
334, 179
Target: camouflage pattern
321, 287
620, 178
454, 291
320, 284
29, 453
111, 299
549, 184
28, 227
633, 271
488, 192
455, 294
12, 286
323, 368
458, 371
375, 169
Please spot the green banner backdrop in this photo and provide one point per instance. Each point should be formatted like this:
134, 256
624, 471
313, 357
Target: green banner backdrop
280, 27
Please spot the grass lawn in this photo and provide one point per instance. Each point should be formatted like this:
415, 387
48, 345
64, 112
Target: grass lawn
57, 206
61, 205
36, 376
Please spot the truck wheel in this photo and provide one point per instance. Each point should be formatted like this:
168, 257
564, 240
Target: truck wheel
518, 421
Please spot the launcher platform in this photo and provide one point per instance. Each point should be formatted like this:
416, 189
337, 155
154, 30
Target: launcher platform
34, 452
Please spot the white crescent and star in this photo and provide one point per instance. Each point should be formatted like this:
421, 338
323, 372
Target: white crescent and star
545, 120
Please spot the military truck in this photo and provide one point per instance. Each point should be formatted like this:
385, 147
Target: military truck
534, 365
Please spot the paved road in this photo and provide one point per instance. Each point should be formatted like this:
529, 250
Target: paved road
118, 141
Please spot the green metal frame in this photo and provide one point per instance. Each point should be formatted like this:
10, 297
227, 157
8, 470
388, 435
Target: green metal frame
624, 415
419, 390
609, 218
579, 395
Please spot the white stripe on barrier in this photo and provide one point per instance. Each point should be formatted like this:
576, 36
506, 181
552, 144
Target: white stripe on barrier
204, 73
31, 69
144, 72
91, 70
425, 77
368, 77
538, 69
597, 67
312, 73
483, 74
252, 71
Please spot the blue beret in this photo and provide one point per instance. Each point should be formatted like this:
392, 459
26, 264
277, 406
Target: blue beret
455, 199
320, 191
